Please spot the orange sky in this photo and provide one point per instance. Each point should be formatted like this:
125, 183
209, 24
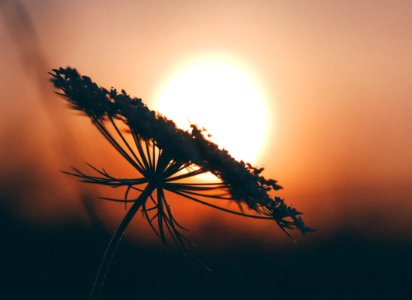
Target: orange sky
337, 74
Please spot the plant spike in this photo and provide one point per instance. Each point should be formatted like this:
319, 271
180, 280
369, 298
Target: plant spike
166, 158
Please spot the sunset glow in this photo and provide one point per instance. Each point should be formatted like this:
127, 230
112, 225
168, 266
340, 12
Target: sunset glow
316, 95
221, 96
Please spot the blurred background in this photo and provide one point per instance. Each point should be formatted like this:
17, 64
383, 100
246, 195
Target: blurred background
337, 82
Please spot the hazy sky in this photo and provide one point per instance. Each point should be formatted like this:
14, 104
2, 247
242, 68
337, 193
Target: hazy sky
337, 77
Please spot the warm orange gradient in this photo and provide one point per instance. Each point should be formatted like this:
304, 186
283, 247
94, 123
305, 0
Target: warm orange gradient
337, 76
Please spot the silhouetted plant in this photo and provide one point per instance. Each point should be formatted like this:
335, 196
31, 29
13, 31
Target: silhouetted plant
165, 158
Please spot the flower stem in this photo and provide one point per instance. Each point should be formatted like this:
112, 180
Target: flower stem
114, 242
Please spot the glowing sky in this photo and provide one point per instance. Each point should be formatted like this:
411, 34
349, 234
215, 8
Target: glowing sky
337, 76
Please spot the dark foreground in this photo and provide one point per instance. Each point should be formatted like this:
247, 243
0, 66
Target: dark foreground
61, 264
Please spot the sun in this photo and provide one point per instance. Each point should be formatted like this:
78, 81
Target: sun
217, 93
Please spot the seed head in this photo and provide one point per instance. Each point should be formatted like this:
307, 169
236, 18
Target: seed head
177, 150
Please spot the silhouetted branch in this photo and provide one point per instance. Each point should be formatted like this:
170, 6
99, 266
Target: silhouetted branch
167, 157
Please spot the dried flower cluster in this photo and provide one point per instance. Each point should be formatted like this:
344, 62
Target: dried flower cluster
166, 157
186, 148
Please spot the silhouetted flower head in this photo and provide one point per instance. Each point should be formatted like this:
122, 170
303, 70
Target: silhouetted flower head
243, 181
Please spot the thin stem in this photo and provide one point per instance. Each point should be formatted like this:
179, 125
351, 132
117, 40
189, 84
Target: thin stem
114, 243
160, 217
154, 154
141, 167
148, 153
181, 193
214, 196
186, 175
137, 140
174, 167
114, 143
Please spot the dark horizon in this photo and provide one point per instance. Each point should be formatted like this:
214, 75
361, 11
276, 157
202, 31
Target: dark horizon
60, 263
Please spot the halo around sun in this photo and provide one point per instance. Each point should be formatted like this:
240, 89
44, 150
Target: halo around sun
220, 95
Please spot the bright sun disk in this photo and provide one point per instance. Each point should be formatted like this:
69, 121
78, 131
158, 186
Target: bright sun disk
222, 97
